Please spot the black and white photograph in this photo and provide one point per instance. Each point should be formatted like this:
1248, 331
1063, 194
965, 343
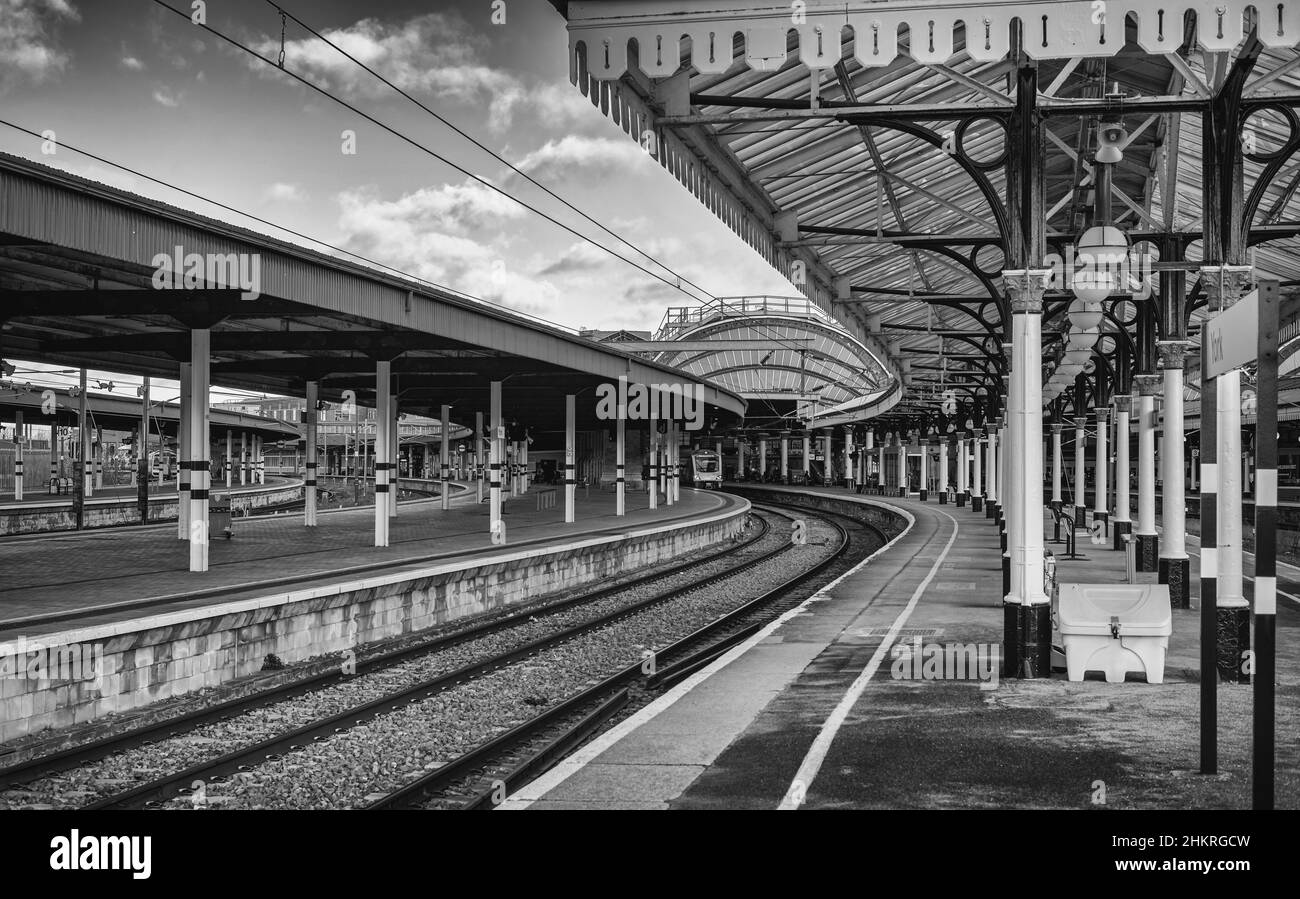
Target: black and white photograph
883, 407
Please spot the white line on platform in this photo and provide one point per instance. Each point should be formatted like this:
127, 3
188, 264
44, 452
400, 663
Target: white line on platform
812, 762
531, 792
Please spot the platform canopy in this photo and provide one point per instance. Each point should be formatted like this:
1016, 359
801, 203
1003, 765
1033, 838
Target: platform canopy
786, 356
894, 158
78, 263
62, 408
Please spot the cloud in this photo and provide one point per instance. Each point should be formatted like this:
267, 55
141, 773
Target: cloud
130, 62
28, 46
580, 257
280, 192
434, 55
454, 235
166, 98
586, 158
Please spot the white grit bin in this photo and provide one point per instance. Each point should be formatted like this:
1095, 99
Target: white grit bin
1115, 629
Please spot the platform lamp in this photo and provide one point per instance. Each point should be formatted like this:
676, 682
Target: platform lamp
1103, 246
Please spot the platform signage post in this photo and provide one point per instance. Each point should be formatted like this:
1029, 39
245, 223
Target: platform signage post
1268, 301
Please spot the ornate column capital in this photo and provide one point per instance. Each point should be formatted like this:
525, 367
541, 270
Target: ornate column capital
1101, 416
1080, 422
1124, 403
1025, 288
1172, 352
1224, 284
1057, 427
1148, 385
977, 433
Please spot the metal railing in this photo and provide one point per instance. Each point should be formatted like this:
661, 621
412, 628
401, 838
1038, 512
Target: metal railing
1058, 516
683, 318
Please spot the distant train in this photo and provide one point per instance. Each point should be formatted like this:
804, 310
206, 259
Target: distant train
706, 469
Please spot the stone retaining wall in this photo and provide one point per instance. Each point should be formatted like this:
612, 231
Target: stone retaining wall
149, 659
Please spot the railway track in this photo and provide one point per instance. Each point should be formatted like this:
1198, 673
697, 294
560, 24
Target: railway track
483, 777
571, 719
177, 726
161, 786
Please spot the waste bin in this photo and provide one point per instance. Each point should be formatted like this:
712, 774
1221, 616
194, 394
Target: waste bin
219, 515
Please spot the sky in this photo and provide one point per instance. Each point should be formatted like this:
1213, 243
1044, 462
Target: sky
145, 88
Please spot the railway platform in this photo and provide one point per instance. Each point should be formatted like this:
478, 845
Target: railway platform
818, 710
278, 588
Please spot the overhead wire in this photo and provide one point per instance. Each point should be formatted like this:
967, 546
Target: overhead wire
477, 143
675, 283
708, 297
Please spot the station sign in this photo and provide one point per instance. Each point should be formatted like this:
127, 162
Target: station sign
1232, 336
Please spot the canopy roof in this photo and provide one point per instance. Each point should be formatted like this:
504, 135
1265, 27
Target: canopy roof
862, 148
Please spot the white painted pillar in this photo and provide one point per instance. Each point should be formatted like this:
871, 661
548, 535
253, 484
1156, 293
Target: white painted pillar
309, 417
923, 487
1173, 540
785, 460
496, 453
525, 473
261, 459
866, 457
570, 459
653, 456
961, 464
902, 467
674, 463
992, 464
1231, 488
943, 466
199, 448
230, 464
1057, 461
620, 463
1123, 523
444, 458
183, 455
478, 457
99, 458
383, 447
828, 470
1101, 490
1024, 462
848, 457
979, 465
762, 457
1080, 472
243, 458
394, 454
880, 460
19, 440
1146, 466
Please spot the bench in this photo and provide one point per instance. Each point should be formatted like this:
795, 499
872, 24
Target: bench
546, 499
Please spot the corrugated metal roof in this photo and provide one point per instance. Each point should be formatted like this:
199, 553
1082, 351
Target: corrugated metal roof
785, 158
